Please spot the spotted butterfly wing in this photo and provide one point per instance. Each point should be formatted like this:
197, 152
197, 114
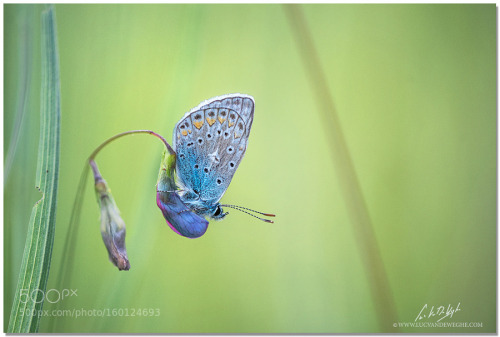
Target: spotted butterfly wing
210, 141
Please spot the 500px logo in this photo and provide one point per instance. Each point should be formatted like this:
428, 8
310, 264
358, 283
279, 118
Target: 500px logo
51, 295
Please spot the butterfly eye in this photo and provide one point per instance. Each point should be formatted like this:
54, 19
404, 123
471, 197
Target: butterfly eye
217, 211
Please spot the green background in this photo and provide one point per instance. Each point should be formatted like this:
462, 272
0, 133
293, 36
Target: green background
415, 91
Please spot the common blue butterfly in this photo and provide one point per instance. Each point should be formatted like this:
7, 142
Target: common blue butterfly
209, 143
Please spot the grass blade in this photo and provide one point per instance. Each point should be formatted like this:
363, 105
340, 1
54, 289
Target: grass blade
70, 242
35, 265
25, 70
356, 206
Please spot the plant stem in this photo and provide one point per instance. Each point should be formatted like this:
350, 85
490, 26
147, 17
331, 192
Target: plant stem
69, 249
99, 148
364, 230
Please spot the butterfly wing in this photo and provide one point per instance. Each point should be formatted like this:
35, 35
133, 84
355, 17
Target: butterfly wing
210, 142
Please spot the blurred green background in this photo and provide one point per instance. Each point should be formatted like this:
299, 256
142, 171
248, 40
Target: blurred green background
415, 90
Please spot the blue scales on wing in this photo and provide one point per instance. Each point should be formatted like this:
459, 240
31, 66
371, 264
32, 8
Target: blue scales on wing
210, 142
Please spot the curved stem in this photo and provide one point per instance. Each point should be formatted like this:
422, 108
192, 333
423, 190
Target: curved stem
99, 148
95, 170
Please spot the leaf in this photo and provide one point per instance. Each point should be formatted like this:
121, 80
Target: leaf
32, 283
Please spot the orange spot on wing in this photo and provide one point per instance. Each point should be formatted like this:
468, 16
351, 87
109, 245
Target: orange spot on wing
210, 121
198, 124
184, 132
230, 124
236, 136
221, 120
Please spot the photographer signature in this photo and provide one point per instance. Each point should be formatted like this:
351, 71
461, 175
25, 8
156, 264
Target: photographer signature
440, 312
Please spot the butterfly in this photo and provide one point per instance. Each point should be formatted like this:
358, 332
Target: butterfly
209, 143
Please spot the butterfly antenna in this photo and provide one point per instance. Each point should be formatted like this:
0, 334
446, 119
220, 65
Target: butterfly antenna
241, 209
248, 209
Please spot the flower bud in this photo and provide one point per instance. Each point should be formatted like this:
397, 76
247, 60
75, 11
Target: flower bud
112, 225
178, 216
